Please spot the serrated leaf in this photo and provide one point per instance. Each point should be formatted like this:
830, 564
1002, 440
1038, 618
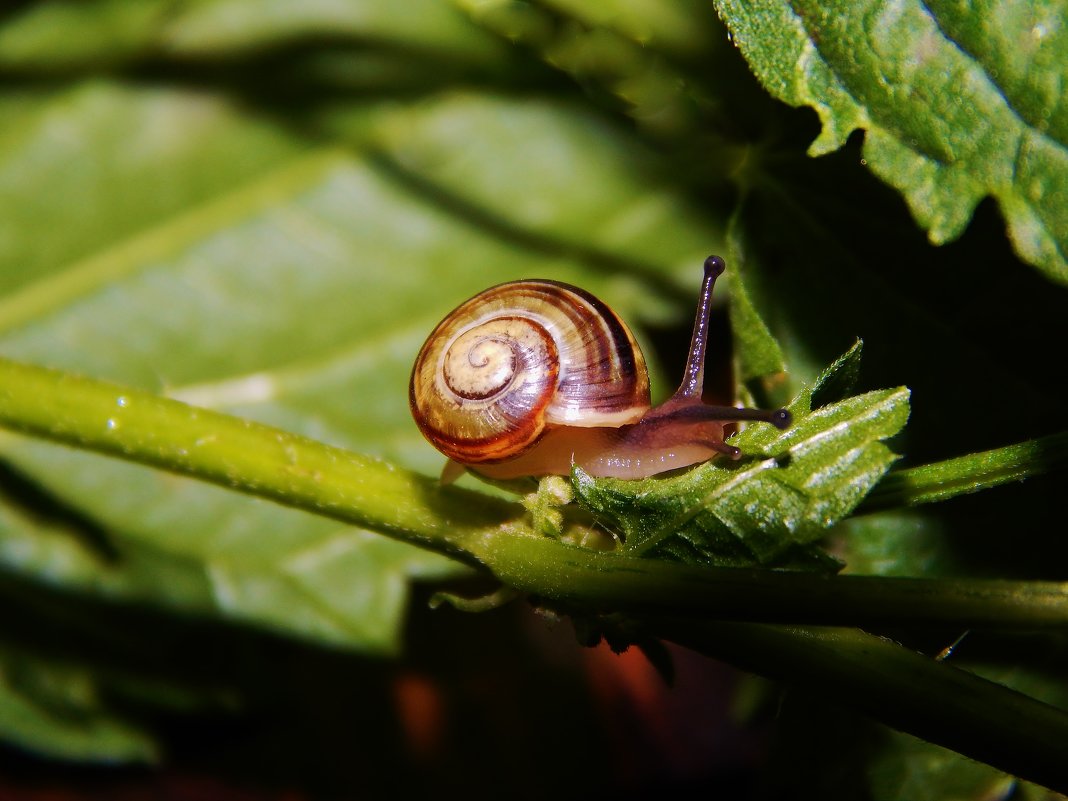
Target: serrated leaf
952, 111
766, 508
757, 351
837, 381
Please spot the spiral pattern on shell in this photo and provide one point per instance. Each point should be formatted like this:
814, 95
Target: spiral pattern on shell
517, 358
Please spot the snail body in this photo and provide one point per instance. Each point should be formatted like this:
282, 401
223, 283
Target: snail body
530, 377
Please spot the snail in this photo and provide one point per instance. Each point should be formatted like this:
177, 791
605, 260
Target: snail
530, 377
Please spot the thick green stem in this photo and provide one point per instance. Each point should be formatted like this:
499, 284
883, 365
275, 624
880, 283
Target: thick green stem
245, 456
299, 472
611, 582
940, 481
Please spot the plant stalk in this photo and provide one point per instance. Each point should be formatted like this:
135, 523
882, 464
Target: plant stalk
299, 472
246, 456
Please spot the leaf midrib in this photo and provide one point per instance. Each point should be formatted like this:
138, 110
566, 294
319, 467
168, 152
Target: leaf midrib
147, 248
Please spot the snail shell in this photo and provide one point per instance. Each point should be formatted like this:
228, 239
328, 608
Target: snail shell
521, 357
533, 378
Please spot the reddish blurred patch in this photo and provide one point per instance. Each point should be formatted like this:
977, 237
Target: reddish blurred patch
421, 714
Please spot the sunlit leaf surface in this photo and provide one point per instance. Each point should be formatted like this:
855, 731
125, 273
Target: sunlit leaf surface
957, 102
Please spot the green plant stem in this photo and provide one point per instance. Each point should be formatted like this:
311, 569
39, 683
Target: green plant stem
246, 456
611, 582
940, 481
309, 475
909, 691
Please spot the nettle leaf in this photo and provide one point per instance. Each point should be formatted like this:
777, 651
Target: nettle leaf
837, 381
757, 352
957, 103
768, 508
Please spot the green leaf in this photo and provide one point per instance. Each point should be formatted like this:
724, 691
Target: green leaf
897, 543
55, 36
956, 104
974, 472
908, 769
596, 193
65, 35
632, 52
420, 25
761, 510
171, 273
56, 711
757, 351
679, 28
182, 545
65, 214
838, 380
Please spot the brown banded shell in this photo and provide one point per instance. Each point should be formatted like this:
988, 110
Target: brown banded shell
519, 357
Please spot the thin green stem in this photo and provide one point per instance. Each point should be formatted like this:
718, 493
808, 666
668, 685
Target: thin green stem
300, 472
941, 481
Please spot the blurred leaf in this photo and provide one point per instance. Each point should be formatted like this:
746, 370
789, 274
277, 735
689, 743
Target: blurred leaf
680, 28
908, 769
69, 34
226, 25
897, 543
905, 768
632, 53
58, 35
956, 104
202, 284
873, 761
201, 550
791, 488
64, 209
593, 192
56, 710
